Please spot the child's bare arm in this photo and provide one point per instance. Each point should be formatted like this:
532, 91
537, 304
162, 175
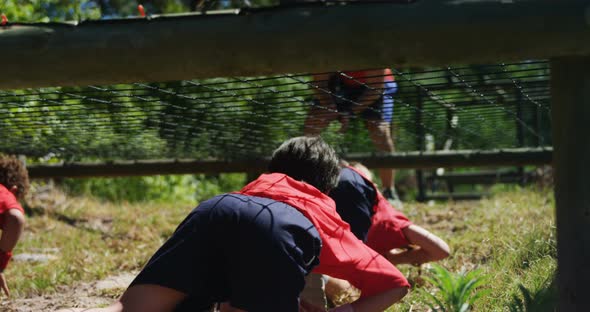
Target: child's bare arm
379, 302
429, 247
14, 223
338, 287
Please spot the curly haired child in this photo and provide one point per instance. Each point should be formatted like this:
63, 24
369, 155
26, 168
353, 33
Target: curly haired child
14, 183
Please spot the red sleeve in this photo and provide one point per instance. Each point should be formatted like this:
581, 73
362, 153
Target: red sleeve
346, 257
387, 224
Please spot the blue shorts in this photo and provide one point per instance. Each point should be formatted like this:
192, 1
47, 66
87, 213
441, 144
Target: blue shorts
345, 95
251, 251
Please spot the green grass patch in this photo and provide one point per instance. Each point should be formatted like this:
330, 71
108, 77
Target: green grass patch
508, 238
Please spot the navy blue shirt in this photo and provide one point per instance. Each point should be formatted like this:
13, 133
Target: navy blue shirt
251, 251
355, 198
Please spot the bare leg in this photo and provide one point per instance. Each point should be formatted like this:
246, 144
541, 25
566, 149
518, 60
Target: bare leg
321, 114
380, 133
318, 119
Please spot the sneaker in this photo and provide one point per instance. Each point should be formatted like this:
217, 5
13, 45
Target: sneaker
391, 195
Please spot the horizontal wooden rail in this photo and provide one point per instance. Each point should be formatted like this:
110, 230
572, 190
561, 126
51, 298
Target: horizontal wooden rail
462, 158
457, 196
457, 158
306, 38
487, 177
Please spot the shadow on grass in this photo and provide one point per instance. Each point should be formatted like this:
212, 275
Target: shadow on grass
543, 299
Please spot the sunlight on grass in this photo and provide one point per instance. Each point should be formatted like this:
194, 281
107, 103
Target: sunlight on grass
509, 237
90, 240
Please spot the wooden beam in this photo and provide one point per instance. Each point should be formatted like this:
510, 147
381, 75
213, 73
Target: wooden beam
456, 196
464, 158
456, 158
570, 90
485, 177
310, 38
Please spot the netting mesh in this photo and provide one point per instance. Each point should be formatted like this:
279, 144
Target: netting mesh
464, 107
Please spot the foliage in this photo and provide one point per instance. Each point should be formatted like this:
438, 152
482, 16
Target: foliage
46, 11
171, 189
77, 10
456, 292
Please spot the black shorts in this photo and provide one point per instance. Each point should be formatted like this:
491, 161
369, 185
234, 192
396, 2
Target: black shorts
251, 251
346, 96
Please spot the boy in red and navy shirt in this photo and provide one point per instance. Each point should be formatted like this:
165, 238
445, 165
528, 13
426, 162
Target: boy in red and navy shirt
14, 183
383, 228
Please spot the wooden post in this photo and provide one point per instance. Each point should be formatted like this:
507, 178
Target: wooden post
449, 131
519, 129
419, 145
570, 92
539, 140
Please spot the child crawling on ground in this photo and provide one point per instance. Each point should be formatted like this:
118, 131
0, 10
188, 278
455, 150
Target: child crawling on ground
379, 225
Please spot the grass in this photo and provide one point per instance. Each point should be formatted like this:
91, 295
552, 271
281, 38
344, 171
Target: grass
454, 291
93, 239
509, 238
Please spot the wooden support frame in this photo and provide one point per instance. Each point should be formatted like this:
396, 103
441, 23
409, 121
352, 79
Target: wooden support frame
291, 39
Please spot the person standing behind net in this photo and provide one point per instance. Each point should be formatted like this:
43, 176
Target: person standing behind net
14, 183
253, 248
368, 94
374, 221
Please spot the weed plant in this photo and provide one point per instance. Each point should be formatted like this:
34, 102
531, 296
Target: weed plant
454, 292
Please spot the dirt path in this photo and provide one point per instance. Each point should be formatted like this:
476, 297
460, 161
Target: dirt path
83, 295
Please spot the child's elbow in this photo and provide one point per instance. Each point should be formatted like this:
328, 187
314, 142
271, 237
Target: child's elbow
16, 218
398, 294
404, 291
443, 251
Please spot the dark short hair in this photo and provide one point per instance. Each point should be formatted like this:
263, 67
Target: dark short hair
14, 173
308, 159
